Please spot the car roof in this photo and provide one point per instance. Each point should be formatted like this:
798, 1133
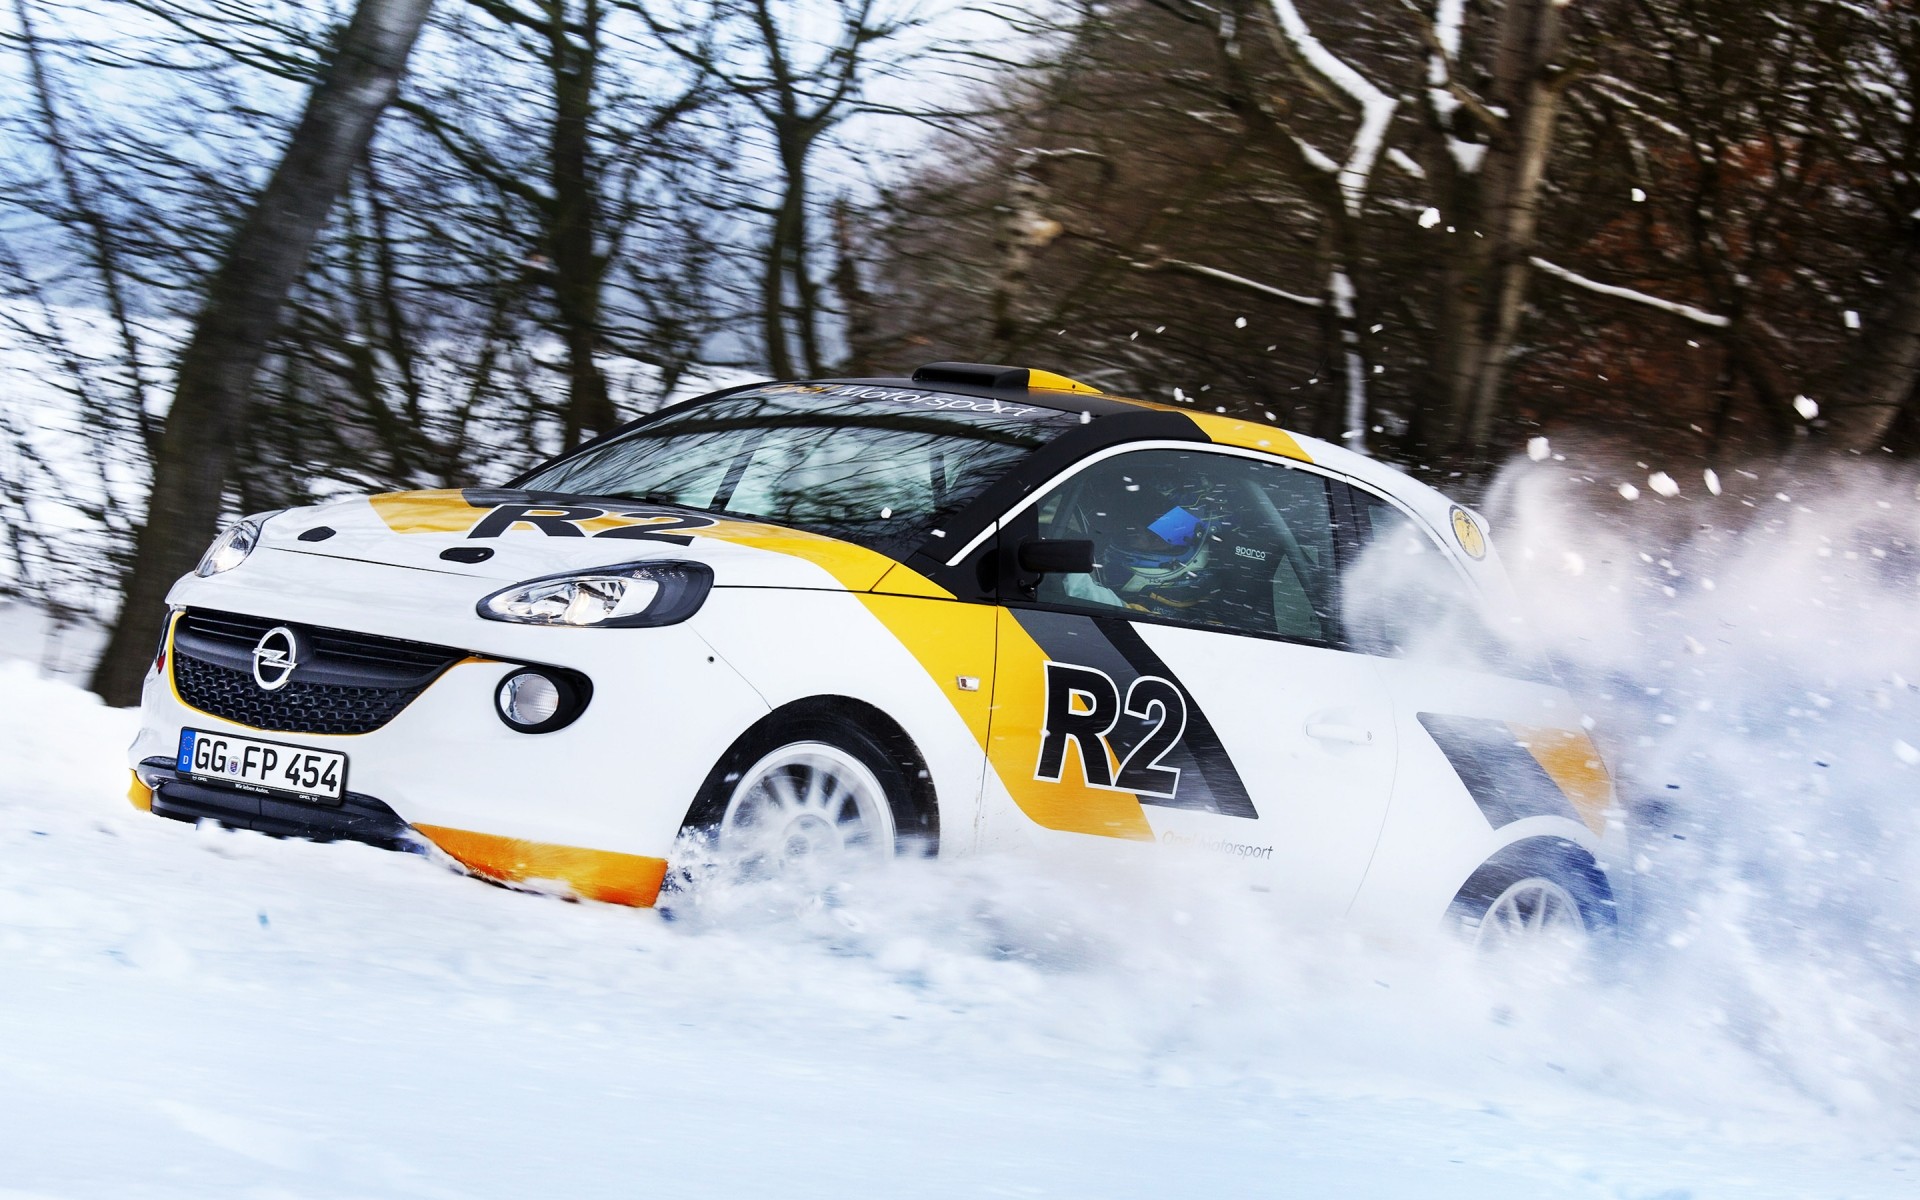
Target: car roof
1046, 389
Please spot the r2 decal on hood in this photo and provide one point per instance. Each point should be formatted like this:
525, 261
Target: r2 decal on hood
554, 520
494, 512
1084, 707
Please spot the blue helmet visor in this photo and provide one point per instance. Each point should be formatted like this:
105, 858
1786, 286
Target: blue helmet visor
1176, 527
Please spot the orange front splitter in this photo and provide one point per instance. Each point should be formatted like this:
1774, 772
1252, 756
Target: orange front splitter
605, 875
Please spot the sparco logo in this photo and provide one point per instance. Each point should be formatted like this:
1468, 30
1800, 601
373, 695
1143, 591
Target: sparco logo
275, 656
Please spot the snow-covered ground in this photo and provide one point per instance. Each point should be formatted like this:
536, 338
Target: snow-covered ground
194, 1012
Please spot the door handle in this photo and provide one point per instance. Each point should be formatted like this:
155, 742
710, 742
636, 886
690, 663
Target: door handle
1328, 731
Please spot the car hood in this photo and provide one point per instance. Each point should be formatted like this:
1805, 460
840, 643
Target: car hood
508, 536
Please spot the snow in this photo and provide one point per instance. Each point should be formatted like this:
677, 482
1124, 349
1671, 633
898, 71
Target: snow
1538, 449
1806, 407
1429, 218
196, 1012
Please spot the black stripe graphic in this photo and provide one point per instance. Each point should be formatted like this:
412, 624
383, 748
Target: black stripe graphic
1208, 780
1505, 780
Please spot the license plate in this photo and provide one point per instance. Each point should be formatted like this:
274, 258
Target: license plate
257, 766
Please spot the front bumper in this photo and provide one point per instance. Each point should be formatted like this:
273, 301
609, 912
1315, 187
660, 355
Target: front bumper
595, 806
358, 817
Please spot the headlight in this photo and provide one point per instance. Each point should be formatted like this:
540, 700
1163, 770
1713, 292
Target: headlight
233, 545
618, 597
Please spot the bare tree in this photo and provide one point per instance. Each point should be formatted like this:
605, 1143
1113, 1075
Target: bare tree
244, 301
800, 93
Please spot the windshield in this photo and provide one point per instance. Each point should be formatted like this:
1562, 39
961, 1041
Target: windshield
876, 465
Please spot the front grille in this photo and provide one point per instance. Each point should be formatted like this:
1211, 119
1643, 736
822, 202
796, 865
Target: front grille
345, 682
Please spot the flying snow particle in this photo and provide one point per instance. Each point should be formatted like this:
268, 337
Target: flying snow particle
1572, 563
1663, 483
1639, 197
1429, 218
1537, 449
1239, 322
1713, 480
886, 514
1178, 395
1629, 492
1805, 406
1906, 753
1851, 319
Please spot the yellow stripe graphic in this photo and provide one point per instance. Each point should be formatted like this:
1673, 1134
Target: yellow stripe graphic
1571, 760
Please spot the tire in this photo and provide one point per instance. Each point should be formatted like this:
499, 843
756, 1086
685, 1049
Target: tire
812, 797
1532, 896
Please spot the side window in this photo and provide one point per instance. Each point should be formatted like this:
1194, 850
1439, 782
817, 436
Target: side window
1204, 539
1402, 595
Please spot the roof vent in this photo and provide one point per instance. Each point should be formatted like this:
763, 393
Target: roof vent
998, 378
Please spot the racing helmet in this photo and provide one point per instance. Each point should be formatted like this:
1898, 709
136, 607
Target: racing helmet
1153, 542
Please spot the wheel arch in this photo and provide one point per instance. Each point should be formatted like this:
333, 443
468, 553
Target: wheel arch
1547, 856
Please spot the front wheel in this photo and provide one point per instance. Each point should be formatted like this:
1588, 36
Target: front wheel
807, 808
806, 798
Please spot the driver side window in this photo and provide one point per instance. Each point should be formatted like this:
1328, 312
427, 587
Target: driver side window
1202, 539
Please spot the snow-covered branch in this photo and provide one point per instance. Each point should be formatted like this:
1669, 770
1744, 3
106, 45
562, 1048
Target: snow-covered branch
1232, 280
1686, 312
1376, 107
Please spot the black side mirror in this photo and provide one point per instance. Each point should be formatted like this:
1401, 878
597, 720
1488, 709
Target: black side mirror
1056, 556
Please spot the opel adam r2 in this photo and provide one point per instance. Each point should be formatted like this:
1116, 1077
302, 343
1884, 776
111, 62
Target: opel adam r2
813, 624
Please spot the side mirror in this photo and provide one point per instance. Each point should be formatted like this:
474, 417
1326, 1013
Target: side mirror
1056, 556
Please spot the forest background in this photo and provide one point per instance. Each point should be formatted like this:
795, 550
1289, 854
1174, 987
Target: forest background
1433, 230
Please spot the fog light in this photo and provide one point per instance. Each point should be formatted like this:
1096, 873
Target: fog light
542, 699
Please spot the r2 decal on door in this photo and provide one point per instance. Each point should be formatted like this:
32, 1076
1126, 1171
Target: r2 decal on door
1084, 706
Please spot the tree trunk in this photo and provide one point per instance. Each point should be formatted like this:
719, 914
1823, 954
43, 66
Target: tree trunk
577, 264
1881, 386
242, 312
1526, 87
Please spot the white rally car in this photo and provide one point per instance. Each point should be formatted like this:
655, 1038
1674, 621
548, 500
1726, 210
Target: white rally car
814, 623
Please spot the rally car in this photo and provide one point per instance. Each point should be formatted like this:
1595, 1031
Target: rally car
823, 624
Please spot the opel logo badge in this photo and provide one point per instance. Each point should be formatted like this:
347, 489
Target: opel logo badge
275, 656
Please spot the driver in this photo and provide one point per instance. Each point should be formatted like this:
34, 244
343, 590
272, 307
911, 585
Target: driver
1153, 546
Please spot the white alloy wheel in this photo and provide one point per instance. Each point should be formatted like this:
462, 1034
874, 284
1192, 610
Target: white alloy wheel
1532, 915
809, 809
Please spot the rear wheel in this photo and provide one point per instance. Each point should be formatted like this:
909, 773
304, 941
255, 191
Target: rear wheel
1540, 896
1531, 913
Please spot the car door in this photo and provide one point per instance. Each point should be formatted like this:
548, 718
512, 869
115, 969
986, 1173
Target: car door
1190, 689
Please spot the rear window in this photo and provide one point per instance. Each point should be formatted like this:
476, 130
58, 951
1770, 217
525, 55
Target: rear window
881, 466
